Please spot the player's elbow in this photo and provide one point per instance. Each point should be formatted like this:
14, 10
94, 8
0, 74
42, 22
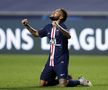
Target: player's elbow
35, 34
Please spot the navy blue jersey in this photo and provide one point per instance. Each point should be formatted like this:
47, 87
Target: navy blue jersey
60, 41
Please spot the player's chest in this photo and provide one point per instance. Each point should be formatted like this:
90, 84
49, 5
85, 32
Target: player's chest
54, 34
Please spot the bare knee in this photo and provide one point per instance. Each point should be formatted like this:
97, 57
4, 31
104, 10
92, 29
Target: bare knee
43, 83
62, 82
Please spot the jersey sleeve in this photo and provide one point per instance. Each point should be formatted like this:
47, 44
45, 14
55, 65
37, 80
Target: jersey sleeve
43, 32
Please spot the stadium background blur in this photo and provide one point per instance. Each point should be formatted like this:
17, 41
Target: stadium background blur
22, 56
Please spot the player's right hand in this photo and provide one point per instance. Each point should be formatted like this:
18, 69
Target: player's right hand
25, 22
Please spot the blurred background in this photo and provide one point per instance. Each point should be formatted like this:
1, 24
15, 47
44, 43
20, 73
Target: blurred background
49, 5
87, 23
22, 56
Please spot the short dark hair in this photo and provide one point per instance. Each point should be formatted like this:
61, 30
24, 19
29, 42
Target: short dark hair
64, 13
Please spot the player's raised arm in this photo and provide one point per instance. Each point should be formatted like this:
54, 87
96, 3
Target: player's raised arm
33, 31
65, 32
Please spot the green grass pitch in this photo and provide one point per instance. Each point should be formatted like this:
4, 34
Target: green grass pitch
22, 72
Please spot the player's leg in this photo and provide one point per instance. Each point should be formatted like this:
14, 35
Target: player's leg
81, 81
47, 76
65, 82
50, 82
72, 83
56, 81
42, 83
62, 72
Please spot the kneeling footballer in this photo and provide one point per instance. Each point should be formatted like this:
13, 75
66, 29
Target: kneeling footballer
58, 60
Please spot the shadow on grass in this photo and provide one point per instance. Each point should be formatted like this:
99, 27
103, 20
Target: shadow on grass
19, 88
45, 88
27, 88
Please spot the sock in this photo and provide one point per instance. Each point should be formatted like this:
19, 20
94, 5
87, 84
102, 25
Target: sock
73, 83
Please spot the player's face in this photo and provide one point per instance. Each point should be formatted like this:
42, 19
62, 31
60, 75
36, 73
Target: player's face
56, 15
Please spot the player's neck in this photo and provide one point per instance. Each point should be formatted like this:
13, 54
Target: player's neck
54, 23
